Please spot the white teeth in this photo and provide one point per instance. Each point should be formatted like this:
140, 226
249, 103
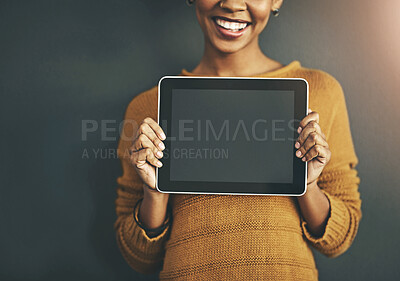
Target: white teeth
234, 26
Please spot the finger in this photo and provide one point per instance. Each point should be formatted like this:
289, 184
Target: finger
144, 142
156, 128
141, 157
317, 151
312, 126
145, 128
322, 133
311, 116
312, 140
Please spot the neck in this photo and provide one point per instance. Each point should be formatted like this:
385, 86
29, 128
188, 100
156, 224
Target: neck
247, 61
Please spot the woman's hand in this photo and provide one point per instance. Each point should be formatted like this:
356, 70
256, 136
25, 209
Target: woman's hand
312, 146
146, 151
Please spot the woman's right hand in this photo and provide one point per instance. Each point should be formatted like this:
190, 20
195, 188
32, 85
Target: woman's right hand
146, 151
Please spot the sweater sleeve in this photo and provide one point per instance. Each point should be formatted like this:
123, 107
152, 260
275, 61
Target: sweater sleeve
339, 181
143, 253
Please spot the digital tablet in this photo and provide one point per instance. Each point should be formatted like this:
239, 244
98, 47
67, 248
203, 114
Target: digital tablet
231, 135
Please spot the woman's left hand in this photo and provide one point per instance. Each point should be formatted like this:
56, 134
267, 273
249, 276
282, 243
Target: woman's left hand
312, 146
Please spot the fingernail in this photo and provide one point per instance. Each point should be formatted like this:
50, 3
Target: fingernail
297, 144
159, 164
299, 130
163, 136
298, 153
303, 159
161, 145
159, 154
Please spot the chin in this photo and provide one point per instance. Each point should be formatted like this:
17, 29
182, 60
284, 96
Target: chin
228, 48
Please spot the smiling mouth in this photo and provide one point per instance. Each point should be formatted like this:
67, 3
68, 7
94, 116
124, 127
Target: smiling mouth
231, 25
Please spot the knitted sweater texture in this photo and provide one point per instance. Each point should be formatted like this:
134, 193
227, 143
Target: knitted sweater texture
244, 237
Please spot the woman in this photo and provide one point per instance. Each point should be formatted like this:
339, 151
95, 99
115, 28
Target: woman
234, 237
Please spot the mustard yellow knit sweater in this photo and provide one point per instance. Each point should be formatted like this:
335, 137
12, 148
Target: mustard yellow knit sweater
244, 237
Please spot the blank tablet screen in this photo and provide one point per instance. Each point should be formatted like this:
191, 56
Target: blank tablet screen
230, 135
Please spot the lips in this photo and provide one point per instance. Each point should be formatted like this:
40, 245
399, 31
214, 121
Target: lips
229, 28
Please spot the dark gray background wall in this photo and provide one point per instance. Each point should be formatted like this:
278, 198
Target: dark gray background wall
62, 62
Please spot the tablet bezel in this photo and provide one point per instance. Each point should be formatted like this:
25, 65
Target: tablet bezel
301, 92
